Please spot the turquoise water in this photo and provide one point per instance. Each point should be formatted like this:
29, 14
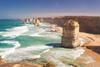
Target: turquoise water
5, 24
19, 38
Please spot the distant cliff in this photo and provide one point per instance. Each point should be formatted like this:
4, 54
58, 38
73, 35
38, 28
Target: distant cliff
90, 24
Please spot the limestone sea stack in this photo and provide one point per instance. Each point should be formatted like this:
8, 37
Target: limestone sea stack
70, 36
36, 22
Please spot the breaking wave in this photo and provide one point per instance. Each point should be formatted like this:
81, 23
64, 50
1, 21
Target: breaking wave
14, 32
16, 53
24, 53
10, 50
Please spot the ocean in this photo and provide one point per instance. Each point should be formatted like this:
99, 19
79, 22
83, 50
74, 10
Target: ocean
20, 41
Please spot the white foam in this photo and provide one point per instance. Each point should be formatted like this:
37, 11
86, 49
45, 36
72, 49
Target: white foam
30, 30
41, 31
11, 50
14, 32
12, 42
35, 47
43, 34
82, 40
24, 53
16, 54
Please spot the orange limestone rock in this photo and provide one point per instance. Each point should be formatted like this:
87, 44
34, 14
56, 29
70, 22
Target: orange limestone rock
36, 22
70, 36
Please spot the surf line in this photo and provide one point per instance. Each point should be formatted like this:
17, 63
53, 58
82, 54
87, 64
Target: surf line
11, 50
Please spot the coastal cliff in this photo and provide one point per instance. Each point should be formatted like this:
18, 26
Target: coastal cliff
89, 24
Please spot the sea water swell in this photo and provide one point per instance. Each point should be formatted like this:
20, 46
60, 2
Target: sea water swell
10, 50
16, 53
14, 32
27, 29
42, 31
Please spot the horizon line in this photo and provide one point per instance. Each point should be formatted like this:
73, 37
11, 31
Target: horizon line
15, 16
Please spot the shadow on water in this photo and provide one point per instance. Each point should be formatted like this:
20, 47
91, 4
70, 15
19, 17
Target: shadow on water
54, 45
58, 45
94, 48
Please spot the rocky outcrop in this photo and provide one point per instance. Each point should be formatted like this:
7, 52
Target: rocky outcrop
20, 65
55, 28
70, 37
36, 22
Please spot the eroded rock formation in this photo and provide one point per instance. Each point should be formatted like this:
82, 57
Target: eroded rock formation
70, 36
36, 22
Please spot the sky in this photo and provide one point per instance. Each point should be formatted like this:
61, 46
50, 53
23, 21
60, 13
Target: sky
43, 8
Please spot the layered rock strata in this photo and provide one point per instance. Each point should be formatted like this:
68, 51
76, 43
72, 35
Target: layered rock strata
70, 36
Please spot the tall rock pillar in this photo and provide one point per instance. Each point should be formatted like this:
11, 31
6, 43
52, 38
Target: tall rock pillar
70, 36
36, 22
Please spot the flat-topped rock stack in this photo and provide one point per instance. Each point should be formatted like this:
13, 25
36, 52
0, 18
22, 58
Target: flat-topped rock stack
36, 22
70, 36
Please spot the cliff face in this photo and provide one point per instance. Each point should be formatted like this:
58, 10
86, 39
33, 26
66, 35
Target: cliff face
70, 36
88, 24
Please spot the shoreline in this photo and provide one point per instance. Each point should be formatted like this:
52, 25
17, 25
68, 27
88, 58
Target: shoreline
90, 42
